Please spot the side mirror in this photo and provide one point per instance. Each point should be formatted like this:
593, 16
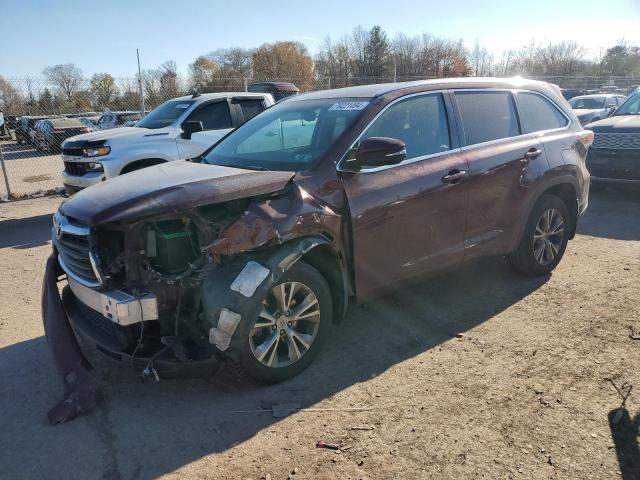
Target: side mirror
378, 152
189, 128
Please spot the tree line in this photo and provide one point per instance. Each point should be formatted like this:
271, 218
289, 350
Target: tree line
363, 56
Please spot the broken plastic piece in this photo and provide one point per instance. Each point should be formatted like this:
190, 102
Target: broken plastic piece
249, 279
228, 321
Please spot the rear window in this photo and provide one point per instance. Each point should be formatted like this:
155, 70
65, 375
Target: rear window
487, 116
250, 108
537, 113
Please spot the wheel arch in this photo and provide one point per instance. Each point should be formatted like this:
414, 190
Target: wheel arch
141, 163
566, 188
569, 195
326, 259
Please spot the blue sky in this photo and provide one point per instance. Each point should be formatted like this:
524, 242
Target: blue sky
103, 36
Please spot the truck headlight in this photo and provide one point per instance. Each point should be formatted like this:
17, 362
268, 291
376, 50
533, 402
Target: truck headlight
94, 167
96, 152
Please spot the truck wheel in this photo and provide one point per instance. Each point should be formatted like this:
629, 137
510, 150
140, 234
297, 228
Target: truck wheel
545, 238
289, 328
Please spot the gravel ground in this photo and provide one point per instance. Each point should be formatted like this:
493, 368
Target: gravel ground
478, 373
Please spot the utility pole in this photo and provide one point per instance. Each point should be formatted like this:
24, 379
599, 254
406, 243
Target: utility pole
142, 110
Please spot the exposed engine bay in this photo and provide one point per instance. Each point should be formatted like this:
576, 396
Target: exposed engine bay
167, 293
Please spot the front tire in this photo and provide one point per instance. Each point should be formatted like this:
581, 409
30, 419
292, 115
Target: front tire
545, 238
289, 327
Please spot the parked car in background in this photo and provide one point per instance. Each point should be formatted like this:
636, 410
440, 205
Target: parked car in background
116, 119
279, 90
178, 129
329, 197
25, 128
50, 133
615, 154
591, 108
90, 122
569, 93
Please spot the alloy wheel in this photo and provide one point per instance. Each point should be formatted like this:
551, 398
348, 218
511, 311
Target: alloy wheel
287, 325
548, 236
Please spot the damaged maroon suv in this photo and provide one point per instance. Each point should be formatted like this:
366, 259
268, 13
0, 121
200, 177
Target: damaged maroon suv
248, 253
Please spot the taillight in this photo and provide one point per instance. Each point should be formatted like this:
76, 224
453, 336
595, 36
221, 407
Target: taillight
585, 137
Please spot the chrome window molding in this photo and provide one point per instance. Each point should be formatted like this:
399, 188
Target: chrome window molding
522, 135
404, 162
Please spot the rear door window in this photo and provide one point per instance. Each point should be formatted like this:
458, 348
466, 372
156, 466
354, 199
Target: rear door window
213, 116
538, 114
419, 121
487, 116
250, 107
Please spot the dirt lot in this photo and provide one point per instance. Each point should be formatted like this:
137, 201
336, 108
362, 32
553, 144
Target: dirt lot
476, 374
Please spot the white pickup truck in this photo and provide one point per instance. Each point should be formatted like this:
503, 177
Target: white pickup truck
178, 129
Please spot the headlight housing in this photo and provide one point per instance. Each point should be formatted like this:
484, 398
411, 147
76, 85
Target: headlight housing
96, 152
94, 167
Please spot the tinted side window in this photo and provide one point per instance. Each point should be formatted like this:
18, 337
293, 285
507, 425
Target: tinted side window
538, 113
250, 108
420, 122
213, 116
487, 116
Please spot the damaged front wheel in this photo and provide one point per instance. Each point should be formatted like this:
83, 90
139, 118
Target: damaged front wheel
290, 326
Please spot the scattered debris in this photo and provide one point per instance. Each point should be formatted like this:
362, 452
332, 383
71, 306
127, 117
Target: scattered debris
330, 446
363, 427
634, 335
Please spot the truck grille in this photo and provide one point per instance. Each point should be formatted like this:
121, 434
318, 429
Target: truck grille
73, 151
617, 141
75, 168
74, 252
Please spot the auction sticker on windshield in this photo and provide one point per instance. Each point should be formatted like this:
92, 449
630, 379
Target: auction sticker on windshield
349, 105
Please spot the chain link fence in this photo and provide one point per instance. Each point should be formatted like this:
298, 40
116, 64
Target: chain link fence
38, 115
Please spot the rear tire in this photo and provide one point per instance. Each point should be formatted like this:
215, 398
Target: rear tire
309, 299
544, 239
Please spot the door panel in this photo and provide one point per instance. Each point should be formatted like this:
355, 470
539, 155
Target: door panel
405, 219
499, 174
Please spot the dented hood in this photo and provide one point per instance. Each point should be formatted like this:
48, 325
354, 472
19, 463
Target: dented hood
166, 188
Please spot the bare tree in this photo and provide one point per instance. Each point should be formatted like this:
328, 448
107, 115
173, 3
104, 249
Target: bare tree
67, 77
480, 60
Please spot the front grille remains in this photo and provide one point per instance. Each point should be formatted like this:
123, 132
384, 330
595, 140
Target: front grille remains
72, 243
617, 141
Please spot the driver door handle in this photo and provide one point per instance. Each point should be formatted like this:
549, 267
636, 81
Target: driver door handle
532, 153
454, 176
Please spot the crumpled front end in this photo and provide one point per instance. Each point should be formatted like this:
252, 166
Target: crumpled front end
171, 294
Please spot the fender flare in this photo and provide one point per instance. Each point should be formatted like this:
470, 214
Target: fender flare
223, 300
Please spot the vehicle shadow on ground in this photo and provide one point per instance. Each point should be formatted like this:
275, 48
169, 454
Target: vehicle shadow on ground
14, 151
25, 232
625, 432
618, 206
145, 431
